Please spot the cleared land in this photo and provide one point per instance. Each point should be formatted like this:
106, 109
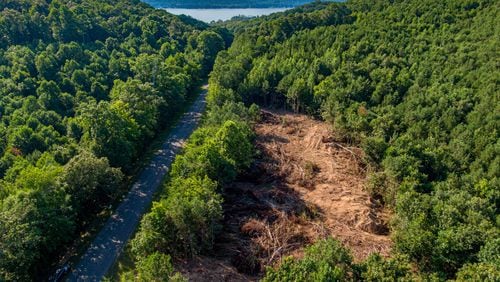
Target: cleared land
305, 185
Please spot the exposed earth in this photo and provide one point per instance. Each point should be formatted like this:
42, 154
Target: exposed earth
305, 185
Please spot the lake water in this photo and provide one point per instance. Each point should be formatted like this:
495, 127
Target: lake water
209, 15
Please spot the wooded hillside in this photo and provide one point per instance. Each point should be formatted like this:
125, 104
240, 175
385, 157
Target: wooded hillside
84, 87
415, 83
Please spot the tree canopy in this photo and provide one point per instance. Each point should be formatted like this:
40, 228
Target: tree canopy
415, 83
84, 86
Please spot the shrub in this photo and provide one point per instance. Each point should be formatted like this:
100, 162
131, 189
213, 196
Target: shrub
376, 268
184, 223
327, 260
156, 267
485, 272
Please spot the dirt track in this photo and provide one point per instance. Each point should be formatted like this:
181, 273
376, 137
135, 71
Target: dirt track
304, 186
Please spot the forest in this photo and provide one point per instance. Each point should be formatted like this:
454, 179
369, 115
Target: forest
85, 86
415, 84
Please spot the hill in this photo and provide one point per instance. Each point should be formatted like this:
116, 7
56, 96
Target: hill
415, 84
85, 85
410, 90
197, 4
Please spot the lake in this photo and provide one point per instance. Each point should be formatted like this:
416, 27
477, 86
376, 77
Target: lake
209, 15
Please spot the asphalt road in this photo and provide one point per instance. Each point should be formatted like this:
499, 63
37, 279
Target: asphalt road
108, 244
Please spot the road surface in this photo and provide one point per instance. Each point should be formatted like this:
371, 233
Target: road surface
108, 244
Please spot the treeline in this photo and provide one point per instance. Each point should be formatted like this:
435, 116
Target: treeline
415, 83
328, 260
84, 86
217, 4
186, 221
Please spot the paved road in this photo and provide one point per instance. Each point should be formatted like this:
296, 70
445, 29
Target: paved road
110, 241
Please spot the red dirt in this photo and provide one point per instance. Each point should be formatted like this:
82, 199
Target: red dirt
304, 186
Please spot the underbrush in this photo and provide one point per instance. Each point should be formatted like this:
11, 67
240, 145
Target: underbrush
187, 219
328, 260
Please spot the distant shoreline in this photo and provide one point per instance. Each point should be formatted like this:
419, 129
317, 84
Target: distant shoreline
169, 4
221, 7
224, 14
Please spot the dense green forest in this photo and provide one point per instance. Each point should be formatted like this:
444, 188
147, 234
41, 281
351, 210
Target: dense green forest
416, 84
214, 4
84, 86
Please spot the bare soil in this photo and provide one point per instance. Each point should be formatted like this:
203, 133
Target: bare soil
304, 186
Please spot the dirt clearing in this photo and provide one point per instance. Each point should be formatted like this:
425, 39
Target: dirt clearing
304, 186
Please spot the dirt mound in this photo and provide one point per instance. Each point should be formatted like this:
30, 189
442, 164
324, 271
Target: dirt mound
305, 185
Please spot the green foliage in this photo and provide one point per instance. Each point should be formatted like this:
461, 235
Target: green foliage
184, 223
140, 102
217, 153
205, 159
91, 182
110, 132
327, 260
85, 84
217, 4
186, 220
32, 227
490, 252
479, 272
415, 84
231, 110
446, 230
376, 268
209, 43
234, 143
155, 267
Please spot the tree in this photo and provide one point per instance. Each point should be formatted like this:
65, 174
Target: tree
65, 26
234, 140
33, 226
185, 223
209, 44
81, 80
91, 183
376, 268
51, 98
205, 159
46, 64
140, 101
479, 272
146, 67
66, 130
26, 140
110, 132
423, 106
